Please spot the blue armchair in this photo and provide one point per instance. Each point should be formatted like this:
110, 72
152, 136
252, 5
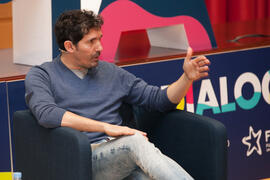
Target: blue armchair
196, 142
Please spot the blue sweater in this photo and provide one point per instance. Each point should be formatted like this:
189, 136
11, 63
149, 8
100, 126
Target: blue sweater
52, 89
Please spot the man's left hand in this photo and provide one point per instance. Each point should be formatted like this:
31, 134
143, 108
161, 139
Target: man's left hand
197, 68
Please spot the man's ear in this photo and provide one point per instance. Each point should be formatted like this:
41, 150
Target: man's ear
69, 46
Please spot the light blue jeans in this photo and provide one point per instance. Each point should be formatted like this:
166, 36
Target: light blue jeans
133, 158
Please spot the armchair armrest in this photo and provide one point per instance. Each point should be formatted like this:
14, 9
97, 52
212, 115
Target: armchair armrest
197, 143
41, 153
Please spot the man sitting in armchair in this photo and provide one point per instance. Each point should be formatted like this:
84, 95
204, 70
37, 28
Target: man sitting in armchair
77, 90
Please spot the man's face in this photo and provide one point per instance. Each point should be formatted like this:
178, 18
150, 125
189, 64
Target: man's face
88, 49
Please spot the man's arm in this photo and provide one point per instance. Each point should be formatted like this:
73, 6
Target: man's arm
89, 125
194, 69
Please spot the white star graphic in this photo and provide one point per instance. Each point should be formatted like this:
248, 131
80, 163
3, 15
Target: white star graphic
254, 135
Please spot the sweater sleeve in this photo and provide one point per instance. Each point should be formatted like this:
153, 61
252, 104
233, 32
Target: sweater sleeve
142, 94
40, 100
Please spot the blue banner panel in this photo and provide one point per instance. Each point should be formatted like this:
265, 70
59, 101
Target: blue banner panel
16, 93
5, 163
235, 93
4, 1
59, 7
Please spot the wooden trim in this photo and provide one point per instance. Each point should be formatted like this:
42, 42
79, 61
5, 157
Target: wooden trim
12, 78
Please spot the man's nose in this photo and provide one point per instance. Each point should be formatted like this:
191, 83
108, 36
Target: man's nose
99, 46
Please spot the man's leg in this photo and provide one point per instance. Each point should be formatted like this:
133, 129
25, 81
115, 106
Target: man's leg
111, 163
116, 159
138, 174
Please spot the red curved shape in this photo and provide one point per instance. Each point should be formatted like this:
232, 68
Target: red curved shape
124, 15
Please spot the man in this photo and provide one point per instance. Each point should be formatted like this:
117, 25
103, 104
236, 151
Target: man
79, 91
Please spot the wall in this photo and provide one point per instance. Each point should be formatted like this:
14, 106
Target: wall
6, 25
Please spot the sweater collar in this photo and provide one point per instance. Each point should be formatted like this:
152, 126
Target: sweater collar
90, 71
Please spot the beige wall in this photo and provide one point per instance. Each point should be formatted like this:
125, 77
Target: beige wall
6, 25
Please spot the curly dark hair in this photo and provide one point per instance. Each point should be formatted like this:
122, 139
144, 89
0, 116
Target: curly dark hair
74, 24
